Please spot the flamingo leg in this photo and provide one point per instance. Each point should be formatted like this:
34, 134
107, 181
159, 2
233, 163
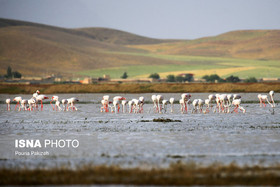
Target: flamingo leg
52, 104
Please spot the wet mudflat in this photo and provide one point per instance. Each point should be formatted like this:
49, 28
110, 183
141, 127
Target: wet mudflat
135, 140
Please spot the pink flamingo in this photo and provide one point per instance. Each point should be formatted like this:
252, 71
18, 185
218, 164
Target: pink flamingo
171, 101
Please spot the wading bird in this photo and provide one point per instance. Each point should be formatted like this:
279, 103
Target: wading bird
8, 102
72, 102
171, 100
236, 103
18, 100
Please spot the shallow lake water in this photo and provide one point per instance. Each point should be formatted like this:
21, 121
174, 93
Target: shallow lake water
134, 140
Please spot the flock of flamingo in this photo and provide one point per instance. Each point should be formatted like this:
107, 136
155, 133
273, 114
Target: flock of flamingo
215, 102
37, 99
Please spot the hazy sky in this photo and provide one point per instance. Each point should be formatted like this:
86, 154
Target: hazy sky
178, 19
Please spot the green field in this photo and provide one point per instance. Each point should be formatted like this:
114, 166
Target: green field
193, 64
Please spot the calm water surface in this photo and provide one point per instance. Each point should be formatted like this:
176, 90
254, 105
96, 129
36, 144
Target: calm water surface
133, 140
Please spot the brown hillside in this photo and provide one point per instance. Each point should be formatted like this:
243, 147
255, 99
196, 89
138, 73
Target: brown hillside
35, 49
253, 44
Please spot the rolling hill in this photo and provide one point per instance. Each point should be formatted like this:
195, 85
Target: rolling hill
38, 50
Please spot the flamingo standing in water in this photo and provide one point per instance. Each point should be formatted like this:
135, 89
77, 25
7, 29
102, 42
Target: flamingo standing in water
195, 104
164, 105
262, 99
159, 100
124, 103
154, 99
186, 97
236, 103
31, 104
64, 102
105, 103
8, 102
130, 106
18, 100
57, 103
40, 98
23, 104
142, 100
171, 101
117, 100
72, 102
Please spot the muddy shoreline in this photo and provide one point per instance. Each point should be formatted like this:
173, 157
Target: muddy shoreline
176, 174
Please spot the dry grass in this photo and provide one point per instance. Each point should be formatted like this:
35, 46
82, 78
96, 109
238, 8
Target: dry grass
176, 174
141, 88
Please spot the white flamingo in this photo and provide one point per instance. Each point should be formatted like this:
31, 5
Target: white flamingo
164, 105
186, 97
31, 104
264, 98
64, 102
130, 106
18, 100
40, 98
118, 98
72, 102
154, 99
200, 104
57, 103
8, 102
159, 100
124, 106
171, 100
208, 105
195, 104
23, 104
142, 100
236, 103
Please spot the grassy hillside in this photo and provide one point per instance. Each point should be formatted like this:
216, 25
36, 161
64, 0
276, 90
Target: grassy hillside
38, 50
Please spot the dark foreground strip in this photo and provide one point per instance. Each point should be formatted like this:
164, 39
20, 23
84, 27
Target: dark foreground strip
176, 174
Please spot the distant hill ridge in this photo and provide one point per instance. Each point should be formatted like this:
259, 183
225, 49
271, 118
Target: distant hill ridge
37, 49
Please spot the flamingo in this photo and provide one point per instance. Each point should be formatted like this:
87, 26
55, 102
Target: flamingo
164, 105
41, 98
224, 102
130, 105
118, 98
136, 105
211, 98
271, 94
57, 103
236, 103
186, 97
195, 104
142, 100
124, 103
18, 100
171, 100
200, 104
31, 104
115, 104
159, 100
23, 104
105, 102
64, 102
8, 102
154, 99
208, 104
72, 102
262, 99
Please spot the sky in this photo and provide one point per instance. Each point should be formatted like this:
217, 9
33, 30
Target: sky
165, 19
